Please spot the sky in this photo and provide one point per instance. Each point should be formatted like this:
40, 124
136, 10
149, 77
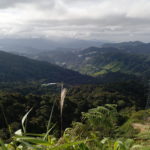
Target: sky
112, 20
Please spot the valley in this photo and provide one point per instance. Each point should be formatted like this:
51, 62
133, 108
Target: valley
101, 83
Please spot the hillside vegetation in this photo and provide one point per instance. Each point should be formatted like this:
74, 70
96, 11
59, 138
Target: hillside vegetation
18, 68
89, 122
126, 58
20, 98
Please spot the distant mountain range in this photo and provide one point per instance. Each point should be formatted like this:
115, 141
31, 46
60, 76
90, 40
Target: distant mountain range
109, 63
130, 58
35, 45
136, 47
18, 68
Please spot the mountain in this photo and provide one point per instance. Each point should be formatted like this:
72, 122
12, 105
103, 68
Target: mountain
100, 61
29, 46
124, 44
19, 68
136, 47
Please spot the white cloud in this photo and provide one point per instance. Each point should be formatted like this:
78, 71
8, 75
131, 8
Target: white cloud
75, 18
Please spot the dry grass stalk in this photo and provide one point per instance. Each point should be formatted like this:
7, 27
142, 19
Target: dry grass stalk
62, 99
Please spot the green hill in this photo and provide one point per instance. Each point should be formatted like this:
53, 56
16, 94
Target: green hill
100, 61
19, 68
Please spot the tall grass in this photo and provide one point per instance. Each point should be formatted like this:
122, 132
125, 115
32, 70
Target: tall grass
62, 99
6, 121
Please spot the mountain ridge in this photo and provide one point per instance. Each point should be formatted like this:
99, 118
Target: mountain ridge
97, 61
19, 68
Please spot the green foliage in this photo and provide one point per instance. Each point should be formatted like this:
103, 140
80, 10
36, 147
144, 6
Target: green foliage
97, 122
19, 99
101, 119
97, 119
140, 117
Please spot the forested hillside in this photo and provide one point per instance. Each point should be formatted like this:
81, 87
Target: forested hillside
20, 98
18, 68
100, 61
90, 112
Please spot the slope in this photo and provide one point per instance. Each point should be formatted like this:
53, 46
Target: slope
19, 68
99, 61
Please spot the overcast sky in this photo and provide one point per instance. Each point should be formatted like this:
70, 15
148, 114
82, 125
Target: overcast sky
113, 20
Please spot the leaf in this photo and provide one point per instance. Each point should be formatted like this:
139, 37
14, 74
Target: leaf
129, 143
3, 147
18, 132
23, 120
104, 140
48, 131
33, 140
66, 145
119, 145
82, 146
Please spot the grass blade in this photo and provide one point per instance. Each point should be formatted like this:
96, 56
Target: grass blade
24, 119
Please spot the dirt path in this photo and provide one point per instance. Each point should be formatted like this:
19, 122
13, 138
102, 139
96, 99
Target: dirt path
141, 127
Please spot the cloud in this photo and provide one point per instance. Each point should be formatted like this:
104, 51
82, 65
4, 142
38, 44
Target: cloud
96, 19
